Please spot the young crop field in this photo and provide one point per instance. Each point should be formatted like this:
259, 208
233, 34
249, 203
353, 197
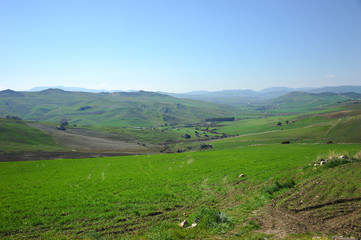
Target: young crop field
147, 196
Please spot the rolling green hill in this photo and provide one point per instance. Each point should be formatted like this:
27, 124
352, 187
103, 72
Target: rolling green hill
121, 109
15, 135
301, 101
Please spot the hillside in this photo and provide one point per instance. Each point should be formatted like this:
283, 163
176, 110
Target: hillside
331, 197
310, 101
237, 97
246, 186
15, 135
120, 109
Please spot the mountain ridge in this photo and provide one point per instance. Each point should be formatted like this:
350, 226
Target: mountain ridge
122, 109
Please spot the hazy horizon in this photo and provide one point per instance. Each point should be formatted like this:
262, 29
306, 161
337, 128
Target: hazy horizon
76, 88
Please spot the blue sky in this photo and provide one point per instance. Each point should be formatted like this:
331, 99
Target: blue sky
179, 45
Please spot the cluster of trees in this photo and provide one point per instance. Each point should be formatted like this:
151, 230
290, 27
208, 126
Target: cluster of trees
220, 119
84, 108
13, 117
63, 124
287, 122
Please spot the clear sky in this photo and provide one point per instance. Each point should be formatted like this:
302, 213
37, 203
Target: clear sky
179, 45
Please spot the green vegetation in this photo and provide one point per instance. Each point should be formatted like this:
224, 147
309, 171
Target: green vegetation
137, 195
123, 109
243, 184
15, 135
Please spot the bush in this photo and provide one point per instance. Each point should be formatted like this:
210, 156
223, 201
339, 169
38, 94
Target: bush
212, 219
277, 186
334, 159
339, 161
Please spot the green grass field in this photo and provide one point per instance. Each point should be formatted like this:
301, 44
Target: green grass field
146, 196
17, 136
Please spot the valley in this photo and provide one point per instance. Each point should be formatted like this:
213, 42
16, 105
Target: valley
136, 165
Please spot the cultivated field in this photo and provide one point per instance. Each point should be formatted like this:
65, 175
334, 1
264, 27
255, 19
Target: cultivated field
147, 196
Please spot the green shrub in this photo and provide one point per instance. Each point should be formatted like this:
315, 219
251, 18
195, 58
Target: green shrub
277, 186
338, 161
212, 219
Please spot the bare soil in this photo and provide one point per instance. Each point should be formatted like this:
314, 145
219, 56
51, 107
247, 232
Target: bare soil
90, 141
296, 212
336, 218
31, 156
80, 143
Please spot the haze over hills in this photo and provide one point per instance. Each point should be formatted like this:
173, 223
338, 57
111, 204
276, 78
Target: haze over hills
147, 109
122, 109
234, 97
228, 97
76, 89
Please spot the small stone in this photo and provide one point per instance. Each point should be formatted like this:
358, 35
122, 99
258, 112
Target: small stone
193, 225
183, 224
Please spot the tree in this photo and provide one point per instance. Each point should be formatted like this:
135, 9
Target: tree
63, 124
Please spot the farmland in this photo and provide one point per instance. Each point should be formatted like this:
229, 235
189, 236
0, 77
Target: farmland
283, 191
144, 196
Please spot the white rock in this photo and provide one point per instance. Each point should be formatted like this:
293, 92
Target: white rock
182, 224
193, 225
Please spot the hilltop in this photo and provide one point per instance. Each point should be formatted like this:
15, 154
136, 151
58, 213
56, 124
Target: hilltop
121, 109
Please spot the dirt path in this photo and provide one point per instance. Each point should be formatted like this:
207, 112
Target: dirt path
332, 127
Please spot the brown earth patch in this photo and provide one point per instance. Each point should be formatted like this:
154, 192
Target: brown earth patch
338, 114
80, 143
90, 141
308, 208
342, 218
31, 156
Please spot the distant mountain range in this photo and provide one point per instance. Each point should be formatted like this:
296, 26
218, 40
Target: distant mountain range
77, 89
235, 97
228, 97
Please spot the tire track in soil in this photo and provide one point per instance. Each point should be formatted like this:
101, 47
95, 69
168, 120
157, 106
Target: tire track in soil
103, 173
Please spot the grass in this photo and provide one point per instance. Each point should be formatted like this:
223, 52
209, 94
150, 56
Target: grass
143, 196
18, 136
